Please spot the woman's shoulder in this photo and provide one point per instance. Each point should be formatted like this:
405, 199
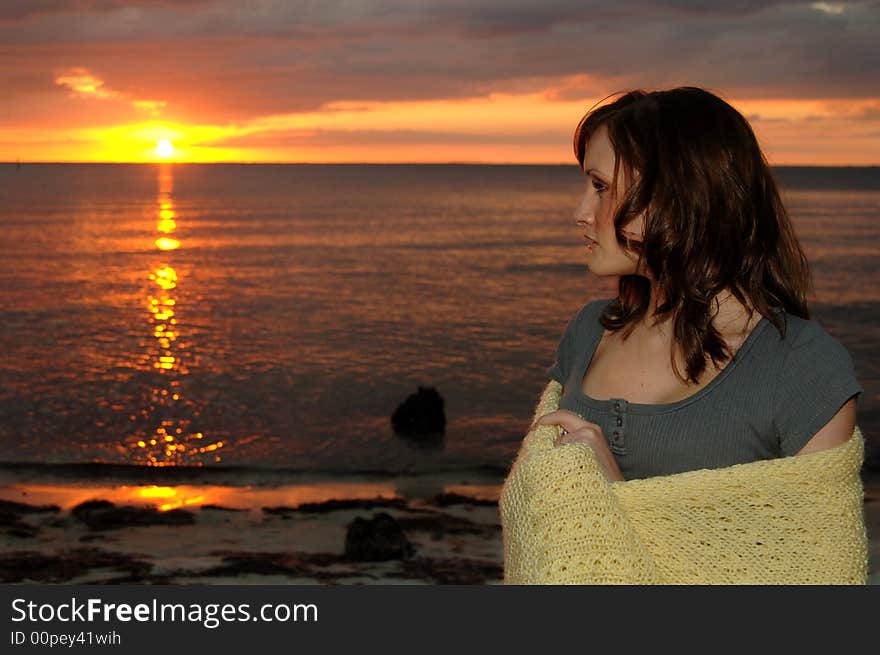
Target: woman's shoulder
815, 377
804, 338
581, 328
594, 308
808, 353
586, 319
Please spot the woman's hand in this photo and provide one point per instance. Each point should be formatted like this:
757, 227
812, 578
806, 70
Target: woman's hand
577, 430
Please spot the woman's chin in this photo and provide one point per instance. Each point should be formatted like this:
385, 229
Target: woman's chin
600, 270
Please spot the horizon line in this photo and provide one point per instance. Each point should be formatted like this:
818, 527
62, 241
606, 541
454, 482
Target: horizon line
369, 163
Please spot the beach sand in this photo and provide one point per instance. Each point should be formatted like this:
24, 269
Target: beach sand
255, 534
290, 533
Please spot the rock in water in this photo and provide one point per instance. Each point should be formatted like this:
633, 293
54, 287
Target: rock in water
376, 540
420, 414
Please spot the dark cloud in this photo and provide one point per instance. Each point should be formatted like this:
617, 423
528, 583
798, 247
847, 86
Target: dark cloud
198, 18
16, 10
229, 60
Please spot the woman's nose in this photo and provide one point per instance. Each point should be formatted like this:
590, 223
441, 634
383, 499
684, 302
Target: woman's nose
583, 215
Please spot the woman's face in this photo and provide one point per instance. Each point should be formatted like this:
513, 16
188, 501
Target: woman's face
595, 214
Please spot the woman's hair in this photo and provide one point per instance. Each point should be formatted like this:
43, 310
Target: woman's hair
714, 219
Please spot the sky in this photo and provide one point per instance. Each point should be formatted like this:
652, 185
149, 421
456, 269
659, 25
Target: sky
494, 81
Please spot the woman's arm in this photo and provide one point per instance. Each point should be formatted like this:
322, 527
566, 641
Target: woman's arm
835, 432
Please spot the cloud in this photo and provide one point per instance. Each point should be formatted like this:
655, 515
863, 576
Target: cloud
869, 113
230, 63
288, 139
151, 107
242, 56
83, 84
833, 8
20, 10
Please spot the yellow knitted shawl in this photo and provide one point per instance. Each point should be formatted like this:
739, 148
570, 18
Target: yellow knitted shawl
792, 520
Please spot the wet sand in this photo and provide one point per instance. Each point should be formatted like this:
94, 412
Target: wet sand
288, 534
64, 532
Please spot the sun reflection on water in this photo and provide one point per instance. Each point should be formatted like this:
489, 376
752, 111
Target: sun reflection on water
174, 497
164, 243
171, 440
164, 498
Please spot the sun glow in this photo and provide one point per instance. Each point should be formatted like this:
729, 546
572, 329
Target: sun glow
496, 128
164, 148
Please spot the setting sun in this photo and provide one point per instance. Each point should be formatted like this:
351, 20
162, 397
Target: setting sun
164, 148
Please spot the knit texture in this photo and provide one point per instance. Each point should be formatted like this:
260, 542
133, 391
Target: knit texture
790, 520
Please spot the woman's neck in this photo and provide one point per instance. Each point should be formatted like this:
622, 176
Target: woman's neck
729, 316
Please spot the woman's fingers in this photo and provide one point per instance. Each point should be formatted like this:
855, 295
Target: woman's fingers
568, 421
574, 429
557, 417
588, 434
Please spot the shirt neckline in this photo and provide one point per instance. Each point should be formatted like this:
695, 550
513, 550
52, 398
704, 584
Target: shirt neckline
662, 408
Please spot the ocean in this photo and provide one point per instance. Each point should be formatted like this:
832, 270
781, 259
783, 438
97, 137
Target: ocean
274, 316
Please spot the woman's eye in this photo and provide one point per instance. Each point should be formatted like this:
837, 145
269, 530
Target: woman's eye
598, 186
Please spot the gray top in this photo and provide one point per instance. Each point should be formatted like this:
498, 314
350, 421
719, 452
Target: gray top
767, 402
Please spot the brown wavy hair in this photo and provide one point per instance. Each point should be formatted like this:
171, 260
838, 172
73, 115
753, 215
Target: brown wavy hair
714, 219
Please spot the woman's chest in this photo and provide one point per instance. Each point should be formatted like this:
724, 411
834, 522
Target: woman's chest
703, 434
640, 371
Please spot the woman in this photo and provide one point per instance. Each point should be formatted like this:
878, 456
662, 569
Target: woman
707, 357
